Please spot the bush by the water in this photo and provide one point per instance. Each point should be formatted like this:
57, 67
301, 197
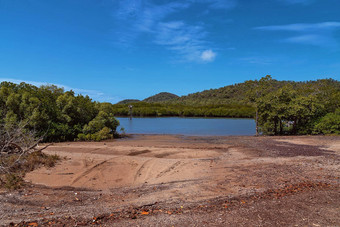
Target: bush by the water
55, 114
329, 124
297, 108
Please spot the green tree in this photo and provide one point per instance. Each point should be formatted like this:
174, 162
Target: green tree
328, 124
50, 111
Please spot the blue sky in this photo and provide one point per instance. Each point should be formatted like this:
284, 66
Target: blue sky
119, 49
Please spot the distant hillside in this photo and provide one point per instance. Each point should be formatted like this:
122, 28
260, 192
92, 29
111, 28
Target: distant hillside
161, 97
225, 95
127, 101
238, 93
316, 98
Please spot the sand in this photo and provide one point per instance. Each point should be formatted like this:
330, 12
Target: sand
175, 171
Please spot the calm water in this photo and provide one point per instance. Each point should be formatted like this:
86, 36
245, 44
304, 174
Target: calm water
188, 126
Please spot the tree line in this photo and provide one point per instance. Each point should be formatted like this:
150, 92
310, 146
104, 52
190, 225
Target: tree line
56, 114
144, 109
279, 108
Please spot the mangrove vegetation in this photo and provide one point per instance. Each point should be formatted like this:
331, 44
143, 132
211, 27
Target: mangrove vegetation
279, 108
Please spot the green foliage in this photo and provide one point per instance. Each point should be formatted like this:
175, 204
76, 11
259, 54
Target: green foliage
143, 109
296, 108
53, 113
328, 124
238, 93
327, 91
103, 119
103, 134
283, 107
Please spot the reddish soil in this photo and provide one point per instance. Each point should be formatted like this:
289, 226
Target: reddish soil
163, 180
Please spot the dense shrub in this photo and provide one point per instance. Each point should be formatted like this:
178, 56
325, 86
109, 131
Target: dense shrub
329, 124
53, 113
103, 134
287, 110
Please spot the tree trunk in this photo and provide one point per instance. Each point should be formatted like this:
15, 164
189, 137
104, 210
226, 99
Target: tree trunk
257, 122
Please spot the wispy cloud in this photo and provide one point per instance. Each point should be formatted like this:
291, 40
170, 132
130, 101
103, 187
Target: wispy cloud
316, 40
186, 40
319, 34
96, 95
135, 17
302, 27
258, 60
217, 4
143, 17
297, 1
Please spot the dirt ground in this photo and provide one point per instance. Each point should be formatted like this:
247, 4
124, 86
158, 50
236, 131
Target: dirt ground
166, 180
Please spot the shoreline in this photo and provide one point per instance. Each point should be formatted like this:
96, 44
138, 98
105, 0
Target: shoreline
194, 117
131, 135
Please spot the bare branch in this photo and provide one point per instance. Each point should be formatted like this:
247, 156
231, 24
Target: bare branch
16, 141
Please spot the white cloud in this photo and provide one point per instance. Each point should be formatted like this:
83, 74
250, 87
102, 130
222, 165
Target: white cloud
208, 56
96, 95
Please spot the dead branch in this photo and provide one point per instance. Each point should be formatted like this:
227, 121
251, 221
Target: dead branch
16, 141
41, 149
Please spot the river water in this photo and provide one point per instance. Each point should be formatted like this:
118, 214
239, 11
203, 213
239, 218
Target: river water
188, 126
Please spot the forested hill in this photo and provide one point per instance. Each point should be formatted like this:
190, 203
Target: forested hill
238, 100
127, 101
161, 97
238, 93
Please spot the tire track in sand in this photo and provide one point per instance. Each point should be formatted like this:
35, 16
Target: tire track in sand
83, 174
173, 166
139, 171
